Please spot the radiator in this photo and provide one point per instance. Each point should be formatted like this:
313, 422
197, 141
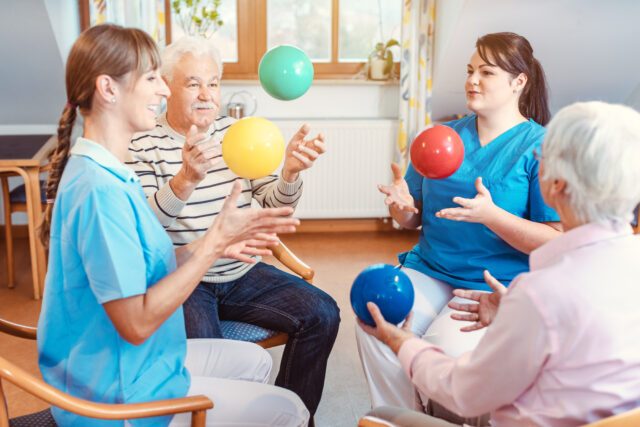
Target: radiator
343, 182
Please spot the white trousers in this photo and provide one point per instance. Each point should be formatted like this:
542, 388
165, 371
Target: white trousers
388, 384
234, 375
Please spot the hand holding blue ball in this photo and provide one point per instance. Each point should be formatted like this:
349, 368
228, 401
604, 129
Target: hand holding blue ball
386, 286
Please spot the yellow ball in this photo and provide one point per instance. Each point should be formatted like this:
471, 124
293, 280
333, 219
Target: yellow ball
253, 147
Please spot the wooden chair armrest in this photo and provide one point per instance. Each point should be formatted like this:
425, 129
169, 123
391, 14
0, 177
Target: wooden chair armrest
626, 419
283, 254
388, 416
18, 330
370, 421
105, 411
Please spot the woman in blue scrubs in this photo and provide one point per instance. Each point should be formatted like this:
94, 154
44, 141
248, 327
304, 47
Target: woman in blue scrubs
489, 215
111, 328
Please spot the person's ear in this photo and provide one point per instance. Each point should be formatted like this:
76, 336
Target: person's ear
106, 89
519, 83
558, 188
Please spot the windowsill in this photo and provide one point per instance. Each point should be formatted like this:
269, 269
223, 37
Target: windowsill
320, 82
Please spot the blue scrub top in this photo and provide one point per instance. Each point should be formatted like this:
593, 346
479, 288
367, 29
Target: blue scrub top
457, 252
106, 244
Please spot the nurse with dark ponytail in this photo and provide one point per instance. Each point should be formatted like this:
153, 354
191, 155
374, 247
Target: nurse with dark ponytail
489, 215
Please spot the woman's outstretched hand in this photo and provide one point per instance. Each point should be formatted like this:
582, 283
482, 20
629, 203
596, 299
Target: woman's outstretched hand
484, 310
243, 232
397, 193
480, 209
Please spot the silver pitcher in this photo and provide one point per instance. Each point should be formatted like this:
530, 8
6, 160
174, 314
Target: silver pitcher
237, 109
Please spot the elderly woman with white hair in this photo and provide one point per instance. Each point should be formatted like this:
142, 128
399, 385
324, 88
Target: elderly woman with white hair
562, 345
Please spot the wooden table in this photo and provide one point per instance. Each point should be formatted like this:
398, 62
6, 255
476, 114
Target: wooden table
23, 155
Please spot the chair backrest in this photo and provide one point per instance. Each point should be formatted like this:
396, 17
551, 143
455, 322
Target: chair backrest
17, 330
197, 405
627, 419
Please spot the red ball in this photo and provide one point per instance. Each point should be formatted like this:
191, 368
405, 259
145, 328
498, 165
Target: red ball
437, 152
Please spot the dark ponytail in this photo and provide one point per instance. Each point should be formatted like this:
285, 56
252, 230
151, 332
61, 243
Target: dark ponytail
104, 49
514, 54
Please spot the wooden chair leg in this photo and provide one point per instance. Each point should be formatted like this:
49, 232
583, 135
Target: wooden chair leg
8, 232
4, 411
33, 203
198, 418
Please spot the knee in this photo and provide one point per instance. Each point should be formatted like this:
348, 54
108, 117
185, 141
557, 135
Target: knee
297, 414
263, 364
327, 314
362, 338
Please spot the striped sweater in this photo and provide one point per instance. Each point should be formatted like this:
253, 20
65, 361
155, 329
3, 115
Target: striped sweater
156, 157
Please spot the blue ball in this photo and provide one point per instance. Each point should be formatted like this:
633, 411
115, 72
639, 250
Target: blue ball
386, 286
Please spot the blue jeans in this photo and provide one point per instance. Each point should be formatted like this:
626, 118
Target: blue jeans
273, 299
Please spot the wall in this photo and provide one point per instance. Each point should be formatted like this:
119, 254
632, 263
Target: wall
589, 49
325, 100
31, 76
42, 32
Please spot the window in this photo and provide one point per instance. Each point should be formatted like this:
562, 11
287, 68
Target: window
337, 35
148, 15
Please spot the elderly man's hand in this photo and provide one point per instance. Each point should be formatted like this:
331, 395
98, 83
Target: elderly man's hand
301, 153
199, 155
386, 332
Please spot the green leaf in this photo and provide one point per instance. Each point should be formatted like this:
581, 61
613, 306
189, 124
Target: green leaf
392, 42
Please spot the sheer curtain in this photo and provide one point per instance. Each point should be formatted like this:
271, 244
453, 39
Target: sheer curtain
416, 70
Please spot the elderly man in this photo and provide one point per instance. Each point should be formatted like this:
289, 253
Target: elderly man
562, 348
186, 181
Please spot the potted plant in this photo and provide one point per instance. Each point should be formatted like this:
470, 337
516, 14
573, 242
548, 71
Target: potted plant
198, 17
381, 61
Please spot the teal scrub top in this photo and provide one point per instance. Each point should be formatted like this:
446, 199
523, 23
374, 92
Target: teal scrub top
106, 244
458, 252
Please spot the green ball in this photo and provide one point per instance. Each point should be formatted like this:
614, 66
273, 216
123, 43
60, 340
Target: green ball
285, 72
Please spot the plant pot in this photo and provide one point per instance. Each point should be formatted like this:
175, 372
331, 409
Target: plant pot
378, 69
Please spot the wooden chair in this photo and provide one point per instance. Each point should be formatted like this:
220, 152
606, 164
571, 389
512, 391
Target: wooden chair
627, 419
267, 338
397, 417
387, 416
197, 405
16, 201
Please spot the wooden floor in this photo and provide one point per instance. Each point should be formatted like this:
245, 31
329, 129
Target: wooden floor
336, 257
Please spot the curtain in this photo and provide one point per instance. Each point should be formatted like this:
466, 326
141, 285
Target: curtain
416, 70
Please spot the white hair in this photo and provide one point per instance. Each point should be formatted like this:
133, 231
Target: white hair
196, 46
595, 148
